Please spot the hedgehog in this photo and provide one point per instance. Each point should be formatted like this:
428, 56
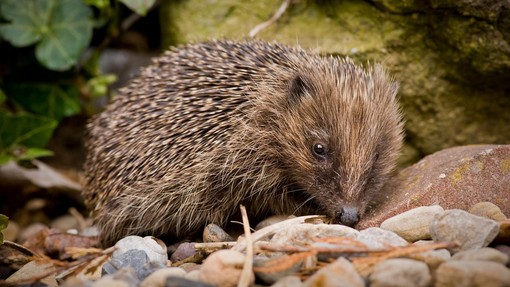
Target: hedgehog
210, 126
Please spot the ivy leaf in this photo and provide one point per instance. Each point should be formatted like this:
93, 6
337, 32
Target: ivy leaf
28, 21
141, 7
44, 99
24, 130
69, 34
62, 29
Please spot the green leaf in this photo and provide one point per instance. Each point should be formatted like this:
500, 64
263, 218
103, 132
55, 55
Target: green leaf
32, 153
62, 28
24, 130
69, 34
99, 4
44, 99
4, 221
3, 97
29, 20
141, 7
5, 158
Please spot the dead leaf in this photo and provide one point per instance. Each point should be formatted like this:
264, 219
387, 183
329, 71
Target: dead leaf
33, 272
42, 176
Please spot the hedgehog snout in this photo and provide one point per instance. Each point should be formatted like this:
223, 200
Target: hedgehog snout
348, 216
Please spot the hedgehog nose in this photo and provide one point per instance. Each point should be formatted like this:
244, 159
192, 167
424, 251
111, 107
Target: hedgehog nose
349, 216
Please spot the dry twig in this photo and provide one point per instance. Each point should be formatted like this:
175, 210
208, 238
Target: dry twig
273, 19
246, 275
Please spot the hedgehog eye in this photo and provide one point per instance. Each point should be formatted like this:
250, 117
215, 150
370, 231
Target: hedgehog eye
319, 150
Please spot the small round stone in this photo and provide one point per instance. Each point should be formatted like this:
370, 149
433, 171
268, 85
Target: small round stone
183, 251
400, 272
482, 254
377, 238
158, 278
469, 230
413, 224
214, 233
339, 273
153, 247
487, 210
223, 268
288, 281
472, 274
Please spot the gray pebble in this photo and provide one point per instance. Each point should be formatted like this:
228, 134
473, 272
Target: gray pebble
339, 273
135, 259
377, 238
482, 254
183, 282
472, 274
153, 247
214, 233
400, 272
470, 231
159, 277
272, 277
183, 251
124, 277
413, 224
288, 281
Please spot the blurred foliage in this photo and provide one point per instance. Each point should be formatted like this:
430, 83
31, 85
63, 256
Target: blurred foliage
50, 70
4, 221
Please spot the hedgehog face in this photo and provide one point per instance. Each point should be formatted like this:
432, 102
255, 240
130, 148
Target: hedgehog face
346, 133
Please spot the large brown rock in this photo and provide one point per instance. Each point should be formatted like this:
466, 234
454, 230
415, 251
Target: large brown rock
453, 178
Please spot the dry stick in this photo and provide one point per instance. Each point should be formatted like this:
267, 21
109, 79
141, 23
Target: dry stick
244, 281
273, 19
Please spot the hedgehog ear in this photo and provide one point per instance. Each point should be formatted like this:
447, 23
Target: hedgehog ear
298, 88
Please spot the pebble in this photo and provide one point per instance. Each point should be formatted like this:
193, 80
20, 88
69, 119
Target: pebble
65, 222
306, 232
505, 249
133, 258
487, 210
158, 278
339, 273
193, 275
223, 268
482, 254
183, 282
272, 277
414, 224
125, 277
30, 231
400, 272
272, 220
469, 230
154, 248
183, 251
288, 281
432, 258
472, 274
377, 238
188, 267
214, 233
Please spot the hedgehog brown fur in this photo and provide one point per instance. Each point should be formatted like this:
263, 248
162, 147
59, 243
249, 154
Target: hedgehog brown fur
210, 126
